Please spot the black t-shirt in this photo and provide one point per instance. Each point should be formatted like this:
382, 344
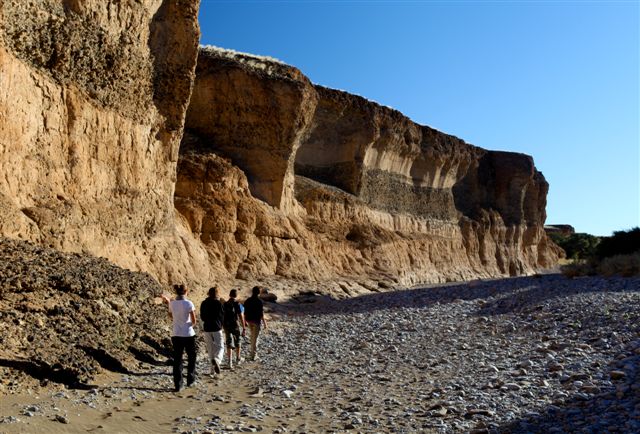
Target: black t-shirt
253, 309
212, 314
231, 315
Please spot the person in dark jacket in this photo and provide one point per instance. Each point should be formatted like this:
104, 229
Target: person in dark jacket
233, 318
254, 317
212, 315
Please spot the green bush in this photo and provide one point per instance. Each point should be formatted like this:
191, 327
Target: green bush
577, 246
618, 254
620, 243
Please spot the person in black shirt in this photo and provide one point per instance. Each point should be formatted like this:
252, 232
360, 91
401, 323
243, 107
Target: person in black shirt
254, 316
212, 314
233, 317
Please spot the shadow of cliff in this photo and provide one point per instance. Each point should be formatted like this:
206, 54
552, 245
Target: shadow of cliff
508, 295
147, 357
163, 348
523, 298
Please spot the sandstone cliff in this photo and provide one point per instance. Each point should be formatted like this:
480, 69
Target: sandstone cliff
274, 177
92, 101
377, 196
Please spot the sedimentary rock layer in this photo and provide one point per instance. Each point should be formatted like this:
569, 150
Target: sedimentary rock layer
380, 194
92, 101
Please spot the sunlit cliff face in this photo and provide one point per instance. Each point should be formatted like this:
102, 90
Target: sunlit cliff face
373, 190
93, 99
275, 177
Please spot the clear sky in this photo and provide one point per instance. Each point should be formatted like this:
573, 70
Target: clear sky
557, 80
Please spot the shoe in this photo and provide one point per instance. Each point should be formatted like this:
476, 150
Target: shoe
239, 361
216, 366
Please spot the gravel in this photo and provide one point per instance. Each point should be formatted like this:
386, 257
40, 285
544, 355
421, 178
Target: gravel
533, 354
513, 355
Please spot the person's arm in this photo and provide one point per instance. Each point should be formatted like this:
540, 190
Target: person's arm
166, 300
264, 320
192, 314
244, 324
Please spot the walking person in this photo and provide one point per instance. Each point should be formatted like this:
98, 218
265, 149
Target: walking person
254, 316
183, 336
212, 315
233, 318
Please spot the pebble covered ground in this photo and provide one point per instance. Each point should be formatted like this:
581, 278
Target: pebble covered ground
534, 354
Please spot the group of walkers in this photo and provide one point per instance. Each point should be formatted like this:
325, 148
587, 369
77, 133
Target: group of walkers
220, 320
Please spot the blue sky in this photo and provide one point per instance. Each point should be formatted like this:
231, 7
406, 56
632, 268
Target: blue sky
557, 80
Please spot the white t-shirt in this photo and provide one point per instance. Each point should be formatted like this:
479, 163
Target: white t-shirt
182, 325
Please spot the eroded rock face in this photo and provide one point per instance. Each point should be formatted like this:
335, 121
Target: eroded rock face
381, 195
255, 112
277, 178
93, 96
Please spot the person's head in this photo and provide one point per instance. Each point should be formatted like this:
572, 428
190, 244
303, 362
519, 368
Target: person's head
213, 292
233, 293
255, 291
180, 290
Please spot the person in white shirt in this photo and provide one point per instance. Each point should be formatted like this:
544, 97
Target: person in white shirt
183, 336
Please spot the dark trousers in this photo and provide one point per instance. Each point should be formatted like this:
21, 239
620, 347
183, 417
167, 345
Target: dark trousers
180, 344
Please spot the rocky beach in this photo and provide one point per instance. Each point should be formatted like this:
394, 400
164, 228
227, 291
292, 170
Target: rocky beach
529, 354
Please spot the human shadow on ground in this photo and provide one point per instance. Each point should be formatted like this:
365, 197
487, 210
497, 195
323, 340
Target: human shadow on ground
503, 295
112, 364
105, 360
147, 357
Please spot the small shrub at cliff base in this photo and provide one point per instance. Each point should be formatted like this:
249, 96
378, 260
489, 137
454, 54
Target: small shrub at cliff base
580, 267
623, 265
620, 243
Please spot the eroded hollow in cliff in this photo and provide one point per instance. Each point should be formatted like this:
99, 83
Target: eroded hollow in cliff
327, 160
